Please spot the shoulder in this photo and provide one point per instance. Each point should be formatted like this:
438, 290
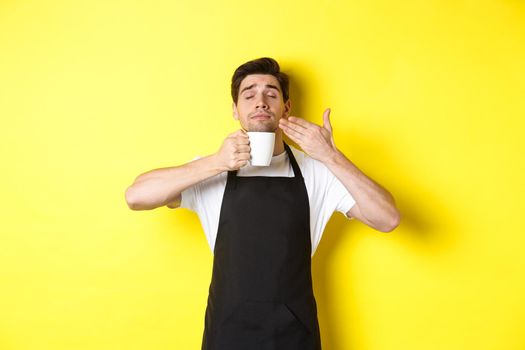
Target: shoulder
214, 182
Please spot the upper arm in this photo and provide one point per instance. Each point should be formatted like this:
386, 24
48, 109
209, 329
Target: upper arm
354, 212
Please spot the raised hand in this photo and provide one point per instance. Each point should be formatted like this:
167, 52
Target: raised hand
317, 141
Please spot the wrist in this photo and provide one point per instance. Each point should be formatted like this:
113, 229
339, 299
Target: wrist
216, 163
333, 157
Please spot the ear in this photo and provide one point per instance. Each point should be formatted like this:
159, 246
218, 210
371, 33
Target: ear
234, 111
287, 108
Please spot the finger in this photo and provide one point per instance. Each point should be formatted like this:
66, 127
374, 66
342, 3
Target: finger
242, 156
240, 164
326, 120
235, 137
301, 122
292, 134
242, 140
243, 149
293, 126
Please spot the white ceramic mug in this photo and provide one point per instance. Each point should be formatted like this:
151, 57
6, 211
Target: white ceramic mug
261, 144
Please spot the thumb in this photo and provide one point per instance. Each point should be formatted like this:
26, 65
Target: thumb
326, 120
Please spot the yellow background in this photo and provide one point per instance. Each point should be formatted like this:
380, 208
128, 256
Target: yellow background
427, 98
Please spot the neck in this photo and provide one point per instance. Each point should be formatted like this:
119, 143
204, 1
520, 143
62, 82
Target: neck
278, 148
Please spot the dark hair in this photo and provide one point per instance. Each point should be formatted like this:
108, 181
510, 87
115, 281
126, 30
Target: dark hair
263, 65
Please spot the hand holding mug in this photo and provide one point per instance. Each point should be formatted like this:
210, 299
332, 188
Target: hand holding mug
234, 152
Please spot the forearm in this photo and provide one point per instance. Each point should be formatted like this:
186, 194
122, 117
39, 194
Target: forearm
159, 187
375, 203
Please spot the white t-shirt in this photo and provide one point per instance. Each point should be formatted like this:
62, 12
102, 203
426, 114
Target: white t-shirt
326, 193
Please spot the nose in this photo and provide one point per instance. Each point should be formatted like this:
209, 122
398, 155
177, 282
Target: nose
261, 103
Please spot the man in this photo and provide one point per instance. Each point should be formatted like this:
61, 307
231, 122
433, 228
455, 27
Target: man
263, 224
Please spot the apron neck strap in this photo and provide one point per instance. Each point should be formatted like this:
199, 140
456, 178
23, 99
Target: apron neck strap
293, 162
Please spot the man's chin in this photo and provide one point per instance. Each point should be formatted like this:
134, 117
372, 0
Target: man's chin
262, 128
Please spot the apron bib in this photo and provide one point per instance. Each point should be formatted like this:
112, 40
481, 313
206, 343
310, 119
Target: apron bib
261, 296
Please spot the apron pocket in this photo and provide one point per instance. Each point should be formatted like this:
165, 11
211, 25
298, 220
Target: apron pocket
298, 317
257, 325
245, 325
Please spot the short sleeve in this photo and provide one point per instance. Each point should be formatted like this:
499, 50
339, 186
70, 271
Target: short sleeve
188, 198
339, 195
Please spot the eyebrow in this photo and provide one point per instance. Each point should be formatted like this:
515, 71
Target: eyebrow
267, 85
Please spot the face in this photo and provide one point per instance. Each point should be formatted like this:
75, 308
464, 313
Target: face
260, 103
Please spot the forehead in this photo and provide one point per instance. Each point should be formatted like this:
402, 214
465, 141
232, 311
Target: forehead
259, 79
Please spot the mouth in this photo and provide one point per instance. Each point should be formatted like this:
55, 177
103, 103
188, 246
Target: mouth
261, 116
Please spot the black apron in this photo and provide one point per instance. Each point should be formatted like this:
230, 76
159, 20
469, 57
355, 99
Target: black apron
261, 295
